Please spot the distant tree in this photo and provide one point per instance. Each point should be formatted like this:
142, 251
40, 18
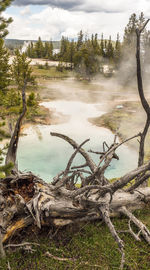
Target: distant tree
117, 51
64, 48
129, 45
85, 60
51, 50
109, 49
146, 50
48, 50
32, 51
80, 40
102, 52
71, 53
95, 44
129, 38
39, 48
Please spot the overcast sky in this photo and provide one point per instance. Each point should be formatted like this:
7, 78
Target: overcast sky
50, 19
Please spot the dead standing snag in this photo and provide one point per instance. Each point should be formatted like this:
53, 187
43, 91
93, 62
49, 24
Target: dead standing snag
144, 102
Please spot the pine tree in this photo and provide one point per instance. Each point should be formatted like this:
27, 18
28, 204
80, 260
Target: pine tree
71, 53
129, 44
102, 52
109, 49
129, 32
51, 50
4, 56
21, 70
22, 73
4, 71
28, 51
80, 40
46, 50
95, 44
117, 52
86, 61
39, 48
4, 22
147, 49
64, 48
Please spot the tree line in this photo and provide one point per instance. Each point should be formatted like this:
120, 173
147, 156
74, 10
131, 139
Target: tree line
88, 55
84, 55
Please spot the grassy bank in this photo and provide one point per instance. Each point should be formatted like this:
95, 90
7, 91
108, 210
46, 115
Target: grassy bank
50, 72
127, 121
9, 116
121, 119
89, 246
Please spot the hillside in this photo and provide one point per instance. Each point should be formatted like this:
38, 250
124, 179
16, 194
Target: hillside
17, 43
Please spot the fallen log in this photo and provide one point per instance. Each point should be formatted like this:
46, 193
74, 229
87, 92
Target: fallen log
73, 197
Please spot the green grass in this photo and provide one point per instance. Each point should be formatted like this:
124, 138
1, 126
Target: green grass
4, 134
115, 117
90, 246
127, 121
50, 73
36, 114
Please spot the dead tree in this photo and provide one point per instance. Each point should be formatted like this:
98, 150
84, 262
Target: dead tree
144, 102
12, 149
22, 73
25, 199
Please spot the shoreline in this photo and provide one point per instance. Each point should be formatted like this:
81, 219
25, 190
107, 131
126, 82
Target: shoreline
113, 120
126, 121
108, 120
51, 118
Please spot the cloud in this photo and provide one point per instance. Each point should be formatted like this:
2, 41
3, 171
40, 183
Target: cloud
108, 6
65, 4
62, 17
52, 23
25, 11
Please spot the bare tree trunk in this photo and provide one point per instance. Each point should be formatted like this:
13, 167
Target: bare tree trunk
13, 145
144, 102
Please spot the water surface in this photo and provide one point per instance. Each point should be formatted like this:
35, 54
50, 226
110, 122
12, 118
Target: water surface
46, 155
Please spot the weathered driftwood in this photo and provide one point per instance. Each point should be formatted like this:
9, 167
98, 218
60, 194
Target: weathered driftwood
25, 199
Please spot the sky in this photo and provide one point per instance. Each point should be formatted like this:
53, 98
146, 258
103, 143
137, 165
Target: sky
52, 19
